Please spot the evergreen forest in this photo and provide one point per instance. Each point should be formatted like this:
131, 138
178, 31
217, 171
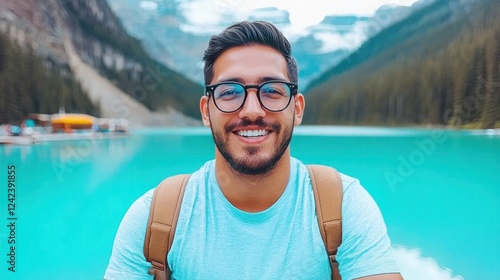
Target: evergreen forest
30, 85
444, 74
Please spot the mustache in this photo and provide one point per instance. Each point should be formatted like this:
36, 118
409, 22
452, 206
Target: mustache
258, 122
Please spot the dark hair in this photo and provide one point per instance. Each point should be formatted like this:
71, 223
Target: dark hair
246, 33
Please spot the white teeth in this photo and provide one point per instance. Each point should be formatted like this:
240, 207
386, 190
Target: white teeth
252, 133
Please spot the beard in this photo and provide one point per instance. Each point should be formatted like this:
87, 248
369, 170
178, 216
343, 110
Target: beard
252, 163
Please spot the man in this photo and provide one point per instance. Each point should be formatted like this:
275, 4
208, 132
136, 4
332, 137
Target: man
250, 213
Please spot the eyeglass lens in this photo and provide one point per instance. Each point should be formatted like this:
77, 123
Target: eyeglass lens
273, 96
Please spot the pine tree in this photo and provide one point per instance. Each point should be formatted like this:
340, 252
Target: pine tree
490, 111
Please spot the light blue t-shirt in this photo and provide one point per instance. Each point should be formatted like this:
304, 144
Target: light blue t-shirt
215, 240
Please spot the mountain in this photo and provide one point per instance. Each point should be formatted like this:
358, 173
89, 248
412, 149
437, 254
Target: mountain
173, 33
84, 40
385, 38
437, 66
27, 85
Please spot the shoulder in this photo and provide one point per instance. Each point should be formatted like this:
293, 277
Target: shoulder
355, 199
127, 258
347, 181
354, 193
140, 207
137, 211
366, 247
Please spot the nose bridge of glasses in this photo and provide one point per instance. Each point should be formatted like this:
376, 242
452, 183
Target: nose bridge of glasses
252, 89
256, 87
252, 95
252, 101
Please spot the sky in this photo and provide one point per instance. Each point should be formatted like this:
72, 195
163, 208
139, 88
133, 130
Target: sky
302, 13
210, 16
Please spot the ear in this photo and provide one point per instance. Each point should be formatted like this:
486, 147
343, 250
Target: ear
300, 104
205, 116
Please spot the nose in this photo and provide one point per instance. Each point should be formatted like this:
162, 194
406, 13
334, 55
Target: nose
252, 109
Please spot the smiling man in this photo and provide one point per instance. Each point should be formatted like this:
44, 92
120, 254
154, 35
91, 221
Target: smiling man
250, 213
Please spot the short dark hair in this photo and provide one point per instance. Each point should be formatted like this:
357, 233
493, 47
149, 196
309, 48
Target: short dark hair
246, 33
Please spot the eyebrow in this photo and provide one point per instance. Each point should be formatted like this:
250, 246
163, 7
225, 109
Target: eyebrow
259, 80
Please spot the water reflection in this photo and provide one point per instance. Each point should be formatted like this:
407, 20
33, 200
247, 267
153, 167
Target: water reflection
414, 266
12, 151
63, 183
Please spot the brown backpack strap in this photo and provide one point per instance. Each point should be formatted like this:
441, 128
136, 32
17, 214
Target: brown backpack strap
327, 187
163, 214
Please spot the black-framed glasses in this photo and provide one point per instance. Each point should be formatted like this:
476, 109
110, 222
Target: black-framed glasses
273, 96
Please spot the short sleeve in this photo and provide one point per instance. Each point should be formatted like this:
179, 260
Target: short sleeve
366, 248
127, 258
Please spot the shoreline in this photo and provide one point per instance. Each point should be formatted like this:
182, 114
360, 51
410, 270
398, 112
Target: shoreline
332, 130
37, 138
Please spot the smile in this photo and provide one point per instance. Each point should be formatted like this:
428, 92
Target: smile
252, 133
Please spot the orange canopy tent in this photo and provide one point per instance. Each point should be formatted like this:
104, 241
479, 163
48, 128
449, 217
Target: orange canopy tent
69, 122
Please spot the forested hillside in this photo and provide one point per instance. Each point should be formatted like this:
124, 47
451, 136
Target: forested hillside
444, 73
27, 86
73, 53
149, 82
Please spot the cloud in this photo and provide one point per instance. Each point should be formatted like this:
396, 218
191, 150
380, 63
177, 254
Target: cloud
302, 14
200, 13
335, 41
414, 266
148, 5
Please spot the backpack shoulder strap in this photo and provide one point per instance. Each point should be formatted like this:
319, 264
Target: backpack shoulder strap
327, 187
163, 214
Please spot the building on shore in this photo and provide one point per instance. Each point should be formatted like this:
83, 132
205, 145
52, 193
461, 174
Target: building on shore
64, 123
43, 127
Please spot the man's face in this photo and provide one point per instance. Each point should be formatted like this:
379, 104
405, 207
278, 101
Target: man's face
252, 140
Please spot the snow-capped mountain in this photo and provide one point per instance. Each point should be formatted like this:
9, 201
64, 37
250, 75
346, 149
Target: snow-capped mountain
173, 32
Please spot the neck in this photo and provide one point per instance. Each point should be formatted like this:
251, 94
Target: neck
252, 193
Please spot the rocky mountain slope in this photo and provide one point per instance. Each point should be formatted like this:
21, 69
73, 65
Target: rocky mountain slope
86, 40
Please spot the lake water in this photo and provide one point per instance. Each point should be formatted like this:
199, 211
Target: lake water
438, 190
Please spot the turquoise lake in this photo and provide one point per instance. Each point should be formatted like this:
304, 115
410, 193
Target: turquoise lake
439, 192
